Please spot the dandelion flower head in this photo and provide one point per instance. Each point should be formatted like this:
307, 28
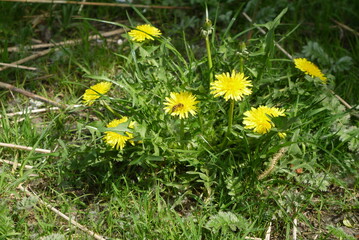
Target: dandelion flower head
309, 68
232, 86
117, 140
258, 120
181, 104
95, 92
143, 32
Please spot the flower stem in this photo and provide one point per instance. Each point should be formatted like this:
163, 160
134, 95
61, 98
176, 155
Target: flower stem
241, 60
209, 55
201, 123
206, 32
182, 129
230, 123
230, 117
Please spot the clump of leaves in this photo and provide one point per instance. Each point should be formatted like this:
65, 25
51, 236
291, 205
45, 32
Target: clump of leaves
54, 236
7, 226
339, 233
315, 52
226, 221
316, 180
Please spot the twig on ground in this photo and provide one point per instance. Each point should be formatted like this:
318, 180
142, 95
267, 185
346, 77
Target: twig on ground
262, 31
68, 42
44, 77
295, 222
40, 110
36, 55
291, 58
346, 27
81, 7
16, 121
111, 40
269, 230
39, 150
31, 95
15, 164
347, 105
35, 40
97, 4
18, 66
73, 222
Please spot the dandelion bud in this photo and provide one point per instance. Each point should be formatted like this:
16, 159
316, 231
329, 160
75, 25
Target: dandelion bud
207, 28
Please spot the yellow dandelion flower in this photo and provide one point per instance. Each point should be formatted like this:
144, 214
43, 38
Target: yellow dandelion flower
232, 86
258, 120
117, 140
309, 68
143, 32
181, 104
95, 92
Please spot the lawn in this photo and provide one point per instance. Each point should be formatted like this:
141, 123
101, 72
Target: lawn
179, 120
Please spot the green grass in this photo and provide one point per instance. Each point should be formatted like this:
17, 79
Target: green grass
193, 179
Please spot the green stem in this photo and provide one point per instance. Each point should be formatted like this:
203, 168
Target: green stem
241, 60
230, 123
241, 63
209, 55
182, 129
230, 117
201, 123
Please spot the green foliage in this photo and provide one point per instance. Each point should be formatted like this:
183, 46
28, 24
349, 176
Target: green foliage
7, 230
315, 52
188, 154
54, 236
317, 181
339, 233
226, 221
192, 178
341, 123
26, 203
